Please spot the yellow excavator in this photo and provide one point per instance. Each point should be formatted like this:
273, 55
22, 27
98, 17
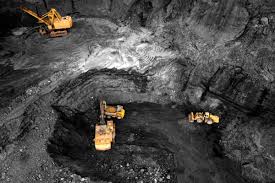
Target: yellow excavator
53, 23
105, 131
203, 117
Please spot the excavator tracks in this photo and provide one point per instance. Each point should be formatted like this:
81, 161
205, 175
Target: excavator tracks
60, 33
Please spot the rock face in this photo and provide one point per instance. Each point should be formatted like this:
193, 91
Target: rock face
206, 54
218, 20
236, 86
250, 144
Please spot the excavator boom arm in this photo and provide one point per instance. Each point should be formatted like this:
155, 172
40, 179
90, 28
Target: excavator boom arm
30, 12
102, 109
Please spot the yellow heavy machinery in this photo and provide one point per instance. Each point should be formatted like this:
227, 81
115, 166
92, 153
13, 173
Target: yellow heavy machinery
113, 111
105, 132
203, 117
104, 135
53, 23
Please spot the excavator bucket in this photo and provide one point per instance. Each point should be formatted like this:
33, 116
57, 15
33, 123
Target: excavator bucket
191, 117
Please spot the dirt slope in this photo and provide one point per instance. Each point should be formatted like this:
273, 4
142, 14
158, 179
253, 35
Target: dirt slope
215, 56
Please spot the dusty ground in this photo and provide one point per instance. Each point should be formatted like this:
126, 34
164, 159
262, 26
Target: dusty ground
159, 59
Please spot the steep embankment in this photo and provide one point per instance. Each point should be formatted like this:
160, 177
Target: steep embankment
207, 55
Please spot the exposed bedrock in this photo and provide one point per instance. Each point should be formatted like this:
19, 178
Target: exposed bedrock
219, 20
234, 86
162, 84
250, 142
205, 55
247, 140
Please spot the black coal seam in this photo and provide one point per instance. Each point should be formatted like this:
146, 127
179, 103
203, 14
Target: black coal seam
24, 128
4, 137
163, 6
247, 27
184, 87
259, 108
139, 79
227, 100
132, 8
210, 80
166, 5
241, 108
234, 81
5, 70
159, 146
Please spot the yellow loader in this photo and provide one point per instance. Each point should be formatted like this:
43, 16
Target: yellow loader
203, 117
113, 111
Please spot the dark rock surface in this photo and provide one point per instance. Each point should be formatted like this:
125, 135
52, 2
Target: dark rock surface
220, 21
249, 144
204, 55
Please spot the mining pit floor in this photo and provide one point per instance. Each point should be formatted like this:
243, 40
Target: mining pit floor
154, 143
